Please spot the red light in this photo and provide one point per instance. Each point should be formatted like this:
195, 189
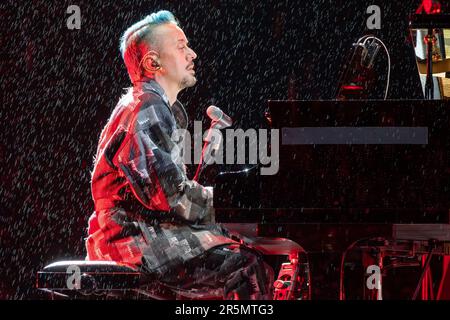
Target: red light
352, 88
430, 7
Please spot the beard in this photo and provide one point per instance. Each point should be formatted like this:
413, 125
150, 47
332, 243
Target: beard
188, 81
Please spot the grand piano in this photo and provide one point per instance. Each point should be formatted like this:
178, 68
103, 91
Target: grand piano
356, 178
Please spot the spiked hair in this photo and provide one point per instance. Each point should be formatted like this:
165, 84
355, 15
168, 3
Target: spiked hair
142, 32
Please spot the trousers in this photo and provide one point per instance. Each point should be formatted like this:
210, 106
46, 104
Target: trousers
233, 271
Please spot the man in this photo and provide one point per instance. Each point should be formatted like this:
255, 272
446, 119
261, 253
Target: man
148, 214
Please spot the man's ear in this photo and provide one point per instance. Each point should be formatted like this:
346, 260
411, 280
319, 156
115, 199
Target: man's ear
150, 61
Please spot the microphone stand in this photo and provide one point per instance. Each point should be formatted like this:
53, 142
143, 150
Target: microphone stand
201, 166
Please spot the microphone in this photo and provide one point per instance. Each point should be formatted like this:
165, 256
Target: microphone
219, 119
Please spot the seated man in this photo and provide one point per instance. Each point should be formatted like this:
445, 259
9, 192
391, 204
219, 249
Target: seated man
148, 214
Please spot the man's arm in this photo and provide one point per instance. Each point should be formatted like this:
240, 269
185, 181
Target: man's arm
149, 161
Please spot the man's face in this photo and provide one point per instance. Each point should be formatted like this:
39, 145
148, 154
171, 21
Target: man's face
175, 56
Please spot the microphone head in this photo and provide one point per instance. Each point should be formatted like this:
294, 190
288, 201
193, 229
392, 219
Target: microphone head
214, 113
220, 119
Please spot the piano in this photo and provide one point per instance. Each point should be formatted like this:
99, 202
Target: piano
383, 171
366, 174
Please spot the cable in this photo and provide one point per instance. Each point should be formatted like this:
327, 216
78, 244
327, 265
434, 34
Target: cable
363, 37
341, 271
366, 38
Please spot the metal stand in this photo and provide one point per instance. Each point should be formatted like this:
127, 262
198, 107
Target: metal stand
429, 86
202, 164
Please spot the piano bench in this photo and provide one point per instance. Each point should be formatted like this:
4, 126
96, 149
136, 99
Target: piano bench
80, 279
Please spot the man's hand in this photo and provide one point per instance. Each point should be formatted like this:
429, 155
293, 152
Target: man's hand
194, 191
201, 198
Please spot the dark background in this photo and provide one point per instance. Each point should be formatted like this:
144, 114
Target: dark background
59, 86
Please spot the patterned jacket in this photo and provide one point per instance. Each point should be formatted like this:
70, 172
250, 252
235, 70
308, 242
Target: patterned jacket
143, 214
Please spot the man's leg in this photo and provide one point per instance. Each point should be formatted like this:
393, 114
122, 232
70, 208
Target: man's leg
239, 271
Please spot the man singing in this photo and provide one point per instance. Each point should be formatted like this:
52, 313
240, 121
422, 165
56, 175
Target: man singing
148, 214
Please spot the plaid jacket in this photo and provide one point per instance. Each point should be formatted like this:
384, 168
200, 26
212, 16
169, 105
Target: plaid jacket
141, 217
